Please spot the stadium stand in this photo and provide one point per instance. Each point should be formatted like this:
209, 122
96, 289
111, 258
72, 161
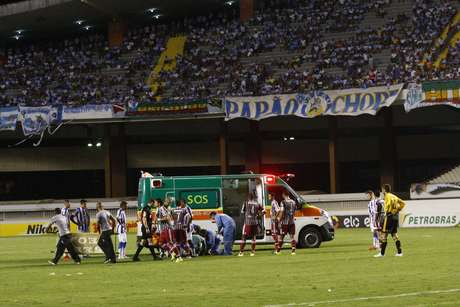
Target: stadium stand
450, 176
287, 47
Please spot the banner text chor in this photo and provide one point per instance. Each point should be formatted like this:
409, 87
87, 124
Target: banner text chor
350, 102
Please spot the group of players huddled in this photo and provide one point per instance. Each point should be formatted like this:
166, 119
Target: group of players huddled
169, 232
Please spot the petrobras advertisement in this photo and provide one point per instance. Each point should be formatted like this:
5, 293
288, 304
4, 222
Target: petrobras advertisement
430, 213
351, 102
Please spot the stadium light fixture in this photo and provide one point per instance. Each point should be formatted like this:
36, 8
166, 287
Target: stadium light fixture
98, 144
79, 22
291, 138
157, 16
90, 144
87, 28
152, 10
17, 37
229, 3
19, 31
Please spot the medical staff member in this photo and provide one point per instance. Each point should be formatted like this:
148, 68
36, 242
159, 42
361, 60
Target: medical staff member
226, 226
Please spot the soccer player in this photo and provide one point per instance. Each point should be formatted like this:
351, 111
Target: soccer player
375, 208
81, 217
190, 228
64, 238
287, 213
121, 230
146, 229
165, 220
225, 226
181, 226
65, 211
105, 224
274, 219
392, 206
252, 210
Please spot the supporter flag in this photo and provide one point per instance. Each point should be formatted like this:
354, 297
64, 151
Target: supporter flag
432, 93
119, 109
8, 118
35, 120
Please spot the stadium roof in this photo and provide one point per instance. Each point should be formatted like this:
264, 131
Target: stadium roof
60, 20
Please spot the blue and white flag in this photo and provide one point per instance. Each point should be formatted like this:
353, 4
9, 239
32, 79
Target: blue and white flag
8, 118
35, 120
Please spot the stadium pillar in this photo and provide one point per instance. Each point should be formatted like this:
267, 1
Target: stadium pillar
333, 163
253, 146
246, 9
116, 33
387, 149
115, 161
223, 148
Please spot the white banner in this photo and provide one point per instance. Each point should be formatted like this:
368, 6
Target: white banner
430, 213
434, 190
349, 102
89, 111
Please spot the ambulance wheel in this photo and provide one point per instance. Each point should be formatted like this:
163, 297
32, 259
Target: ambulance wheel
310, 237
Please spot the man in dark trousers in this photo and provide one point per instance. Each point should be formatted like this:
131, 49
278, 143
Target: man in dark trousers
105, 224
147, 231
64, 237
81, 217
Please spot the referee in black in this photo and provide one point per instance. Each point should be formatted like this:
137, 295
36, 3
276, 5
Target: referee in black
147, 229
65, 238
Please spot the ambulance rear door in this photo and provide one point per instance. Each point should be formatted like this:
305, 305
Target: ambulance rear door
235, 192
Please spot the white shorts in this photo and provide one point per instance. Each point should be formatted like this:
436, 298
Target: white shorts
189, 236
122, 237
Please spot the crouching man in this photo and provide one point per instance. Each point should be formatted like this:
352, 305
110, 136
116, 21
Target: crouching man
65, 238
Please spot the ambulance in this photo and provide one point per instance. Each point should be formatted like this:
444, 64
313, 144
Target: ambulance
227, 193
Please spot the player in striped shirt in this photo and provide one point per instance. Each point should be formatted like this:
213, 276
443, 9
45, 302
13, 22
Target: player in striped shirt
190, 229
274, 219
121, 230
165, 223
181, 226
252, 211
375, 209
288, 207
65, 211
81, 217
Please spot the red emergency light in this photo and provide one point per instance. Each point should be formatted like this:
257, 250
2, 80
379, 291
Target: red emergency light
270, 179
157, 183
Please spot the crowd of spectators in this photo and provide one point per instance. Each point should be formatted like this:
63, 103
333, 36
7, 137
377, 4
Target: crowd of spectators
79, 71
285, 48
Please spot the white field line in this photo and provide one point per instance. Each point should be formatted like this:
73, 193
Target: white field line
367, 298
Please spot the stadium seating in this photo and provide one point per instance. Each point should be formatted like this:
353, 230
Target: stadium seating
451, 176
286, 47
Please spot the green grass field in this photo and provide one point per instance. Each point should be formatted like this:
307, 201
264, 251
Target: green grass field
345, 266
